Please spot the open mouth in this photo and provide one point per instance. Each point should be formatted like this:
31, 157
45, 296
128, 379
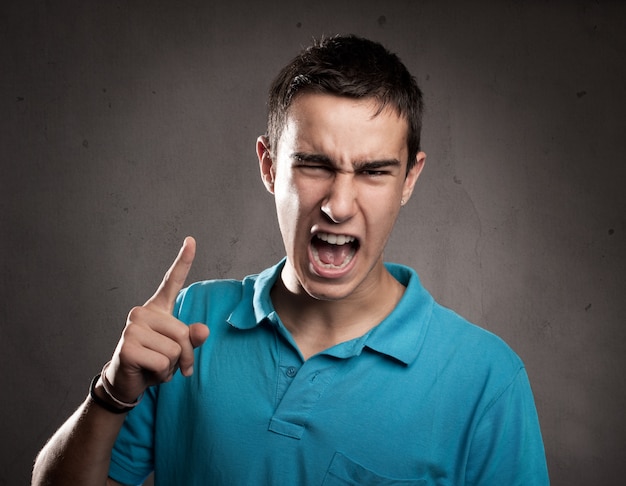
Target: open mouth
333, 251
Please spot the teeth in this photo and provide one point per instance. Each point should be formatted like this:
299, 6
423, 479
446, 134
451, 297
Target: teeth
335, 239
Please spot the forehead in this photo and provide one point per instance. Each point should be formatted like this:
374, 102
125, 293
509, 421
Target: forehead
342, 127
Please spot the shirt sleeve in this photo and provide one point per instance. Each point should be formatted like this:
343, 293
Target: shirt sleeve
132, 459
507, 447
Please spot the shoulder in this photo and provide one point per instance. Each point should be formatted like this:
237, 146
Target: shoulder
477, 363
212, 300
211, 288
209, 301
474, 342
209, 292
446, 335
449, 343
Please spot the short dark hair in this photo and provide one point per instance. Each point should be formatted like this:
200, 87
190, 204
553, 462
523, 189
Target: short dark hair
348, 66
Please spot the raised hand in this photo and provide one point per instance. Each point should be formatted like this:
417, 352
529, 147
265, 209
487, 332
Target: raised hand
154, 344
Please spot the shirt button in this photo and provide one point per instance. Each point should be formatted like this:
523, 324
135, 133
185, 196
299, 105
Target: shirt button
291, 371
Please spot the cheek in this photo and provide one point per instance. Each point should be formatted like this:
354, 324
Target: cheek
296, 196
290, 209
287, 201
386, 219
381, 214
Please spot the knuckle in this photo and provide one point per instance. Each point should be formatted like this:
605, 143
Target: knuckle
182, 333
127, 352
132, 331
163, 364
174, 352
136, 314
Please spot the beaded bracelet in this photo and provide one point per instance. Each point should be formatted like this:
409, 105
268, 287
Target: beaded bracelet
123, 406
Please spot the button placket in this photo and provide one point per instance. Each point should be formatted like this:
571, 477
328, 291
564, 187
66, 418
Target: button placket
300, 397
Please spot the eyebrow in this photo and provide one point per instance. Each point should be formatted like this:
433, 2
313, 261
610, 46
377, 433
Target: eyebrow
360, 165
311, 157
377, 164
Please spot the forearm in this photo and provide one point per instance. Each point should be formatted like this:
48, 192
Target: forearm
80, 451
153, 346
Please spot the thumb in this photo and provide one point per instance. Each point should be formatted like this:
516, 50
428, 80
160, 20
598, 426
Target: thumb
198, 334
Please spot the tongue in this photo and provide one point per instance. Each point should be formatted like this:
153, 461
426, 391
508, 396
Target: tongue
332, 254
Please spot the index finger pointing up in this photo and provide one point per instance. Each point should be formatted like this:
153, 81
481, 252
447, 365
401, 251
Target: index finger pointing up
174, 279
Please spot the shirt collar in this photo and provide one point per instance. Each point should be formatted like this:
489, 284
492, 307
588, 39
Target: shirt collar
400, 335
256, 288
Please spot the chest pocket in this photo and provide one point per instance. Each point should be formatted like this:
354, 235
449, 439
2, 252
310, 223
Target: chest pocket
345, 472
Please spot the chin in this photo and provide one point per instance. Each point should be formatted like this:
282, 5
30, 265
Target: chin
327, 290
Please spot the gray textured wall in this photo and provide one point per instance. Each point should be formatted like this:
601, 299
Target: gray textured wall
126, 125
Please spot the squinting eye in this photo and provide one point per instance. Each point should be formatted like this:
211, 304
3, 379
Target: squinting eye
316, 169
375, 173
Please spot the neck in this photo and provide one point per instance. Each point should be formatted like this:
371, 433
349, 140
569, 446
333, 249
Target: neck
317, 325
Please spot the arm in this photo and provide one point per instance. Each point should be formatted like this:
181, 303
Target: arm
507, 447
153, 346
80, 451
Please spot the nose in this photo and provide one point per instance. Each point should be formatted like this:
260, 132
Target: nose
341, 202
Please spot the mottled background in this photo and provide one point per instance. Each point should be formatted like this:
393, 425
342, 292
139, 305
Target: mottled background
126, 125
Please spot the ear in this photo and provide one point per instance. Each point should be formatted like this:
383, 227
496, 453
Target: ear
412, 176
266, 164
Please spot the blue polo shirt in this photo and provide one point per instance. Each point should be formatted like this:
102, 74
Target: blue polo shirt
423, 398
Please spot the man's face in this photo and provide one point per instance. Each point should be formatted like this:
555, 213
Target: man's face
339, 178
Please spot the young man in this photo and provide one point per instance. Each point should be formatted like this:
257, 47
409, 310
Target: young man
331, 367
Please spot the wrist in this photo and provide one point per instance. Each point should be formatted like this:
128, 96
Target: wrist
98, 395
120, 399
101, 393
